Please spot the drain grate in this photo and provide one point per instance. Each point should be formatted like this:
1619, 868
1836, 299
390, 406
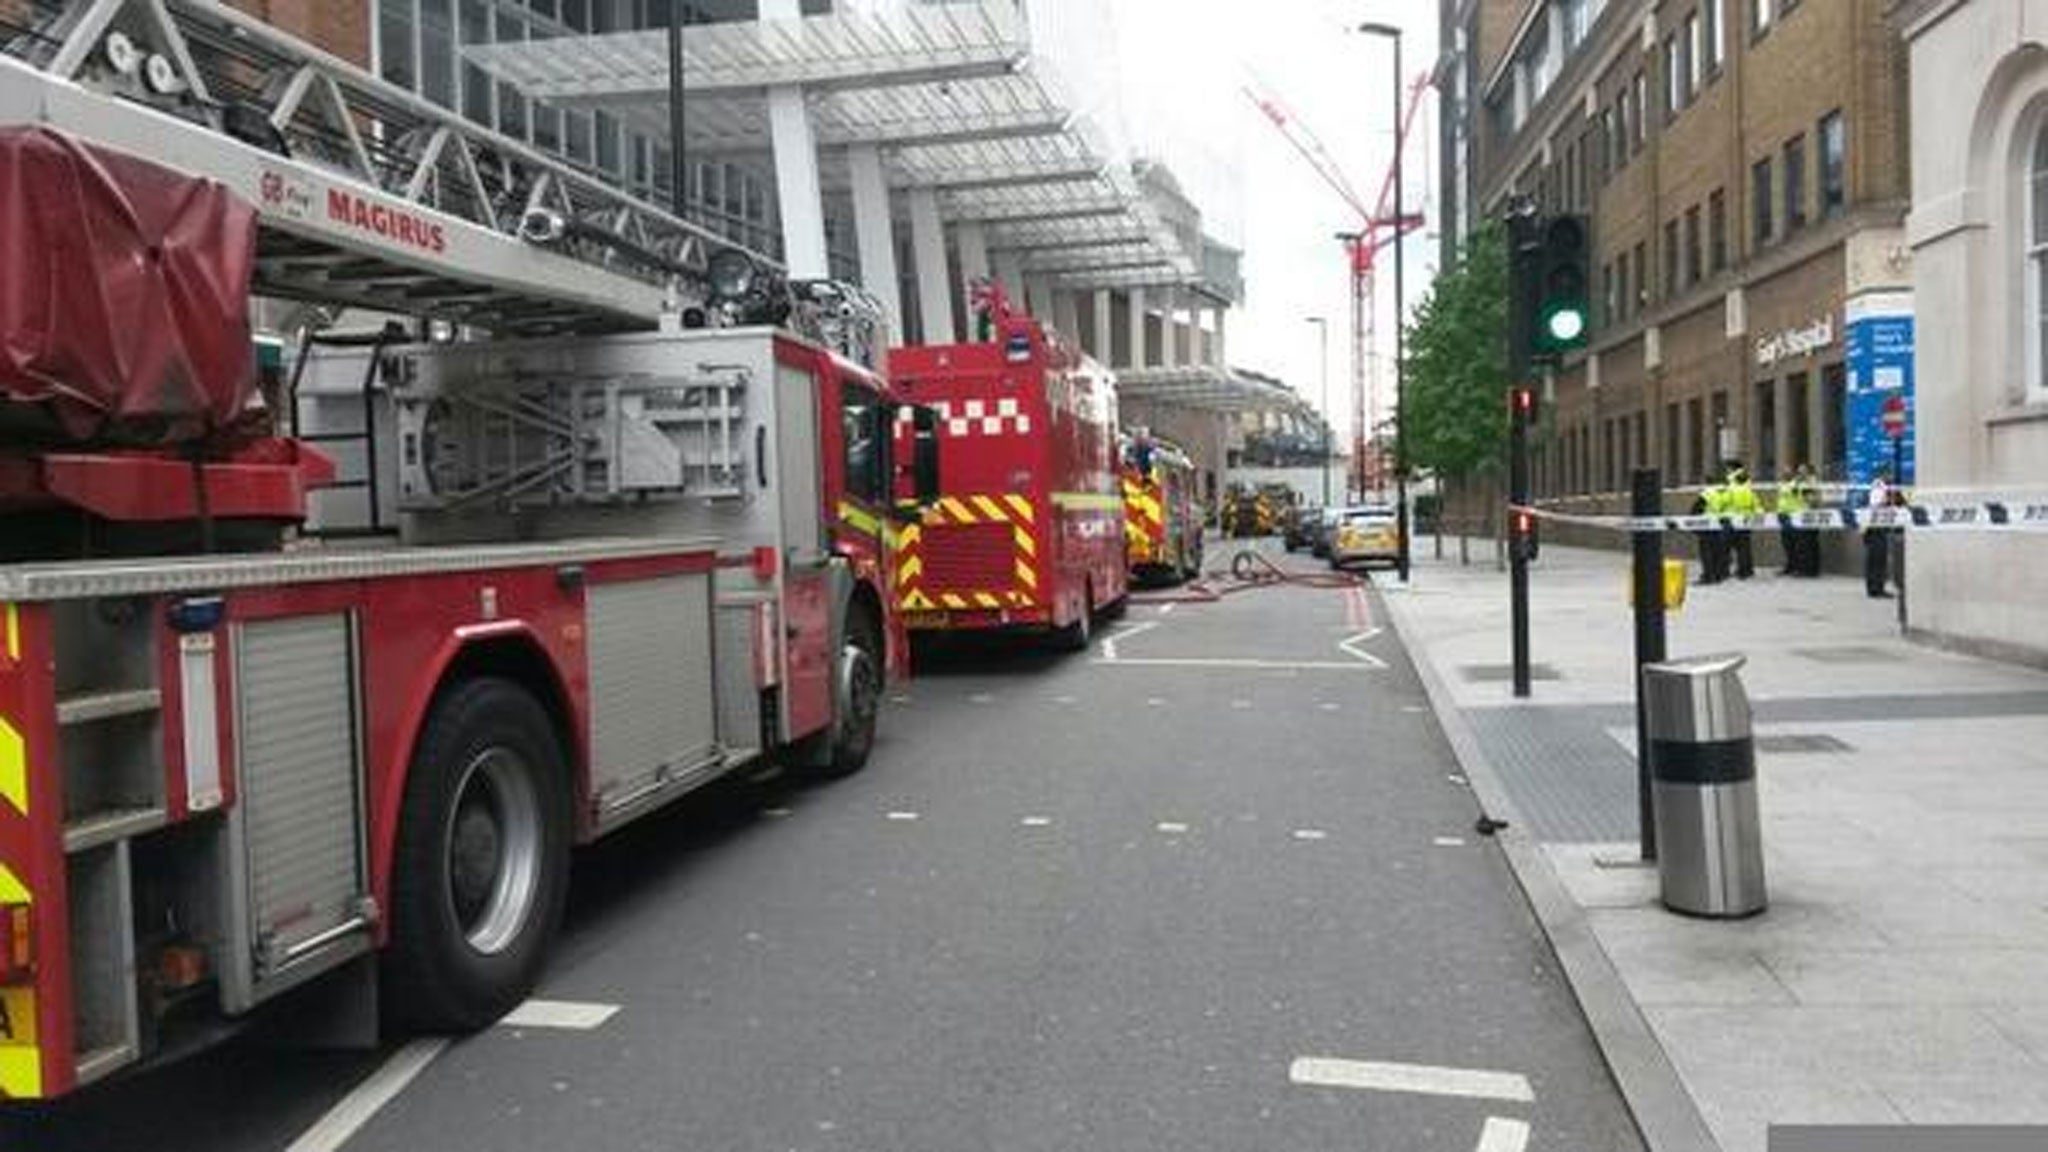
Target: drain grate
1499, 673
1848, 654
1799, 744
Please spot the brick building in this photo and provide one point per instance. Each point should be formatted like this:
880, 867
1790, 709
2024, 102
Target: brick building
1743, 164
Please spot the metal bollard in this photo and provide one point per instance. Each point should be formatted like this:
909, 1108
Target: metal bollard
1710, 858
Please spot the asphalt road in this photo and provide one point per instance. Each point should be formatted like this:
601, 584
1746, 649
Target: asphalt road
1076, 902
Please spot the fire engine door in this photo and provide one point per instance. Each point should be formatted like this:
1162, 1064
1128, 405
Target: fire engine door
806, 609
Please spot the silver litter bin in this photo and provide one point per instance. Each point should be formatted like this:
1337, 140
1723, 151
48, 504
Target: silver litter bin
1710, 855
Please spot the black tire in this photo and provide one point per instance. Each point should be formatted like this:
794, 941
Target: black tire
1077, 636
857, 688
488, 777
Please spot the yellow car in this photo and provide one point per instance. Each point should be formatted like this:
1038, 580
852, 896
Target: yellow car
1367, 534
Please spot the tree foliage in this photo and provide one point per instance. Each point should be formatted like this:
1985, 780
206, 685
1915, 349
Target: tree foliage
1456, 368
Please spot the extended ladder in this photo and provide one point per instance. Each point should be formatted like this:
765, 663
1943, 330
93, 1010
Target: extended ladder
368, 196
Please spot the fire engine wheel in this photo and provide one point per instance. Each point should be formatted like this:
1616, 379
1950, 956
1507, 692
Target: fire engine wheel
857, 688
1077, 636
482, 860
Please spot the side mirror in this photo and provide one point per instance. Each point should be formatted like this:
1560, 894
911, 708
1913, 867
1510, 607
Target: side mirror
924, 454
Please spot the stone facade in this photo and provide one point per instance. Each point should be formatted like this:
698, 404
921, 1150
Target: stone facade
1979, 119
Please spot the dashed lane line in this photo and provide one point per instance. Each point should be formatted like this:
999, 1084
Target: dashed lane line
1414, 1079
1036, 822
1503, 1135
1449, 842
368, 1098
1310, 834
902, 817
566, 1015
1172, 827
1369, 664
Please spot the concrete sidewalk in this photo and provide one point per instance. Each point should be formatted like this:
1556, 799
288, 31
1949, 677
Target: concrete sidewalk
1901, 973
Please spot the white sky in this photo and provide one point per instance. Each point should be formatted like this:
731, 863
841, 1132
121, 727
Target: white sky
1183, 65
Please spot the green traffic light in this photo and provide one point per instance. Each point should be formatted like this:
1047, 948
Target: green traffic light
1566, 325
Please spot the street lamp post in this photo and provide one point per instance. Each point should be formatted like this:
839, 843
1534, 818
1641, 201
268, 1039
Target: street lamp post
1323, 329
1400, 299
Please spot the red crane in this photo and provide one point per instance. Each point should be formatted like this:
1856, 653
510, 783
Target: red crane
1378, 227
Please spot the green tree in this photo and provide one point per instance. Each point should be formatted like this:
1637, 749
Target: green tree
1456, 372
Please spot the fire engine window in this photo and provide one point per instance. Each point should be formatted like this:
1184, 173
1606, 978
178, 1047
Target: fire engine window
863, 421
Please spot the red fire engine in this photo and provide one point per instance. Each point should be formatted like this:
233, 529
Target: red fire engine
1028, 527
609, 559
1162, 517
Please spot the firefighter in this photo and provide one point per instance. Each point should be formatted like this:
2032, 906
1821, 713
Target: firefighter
1713, 543
1741, 501
1800, 494
1877, 542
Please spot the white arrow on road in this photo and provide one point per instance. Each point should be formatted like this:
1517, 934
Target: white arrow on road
1350, 645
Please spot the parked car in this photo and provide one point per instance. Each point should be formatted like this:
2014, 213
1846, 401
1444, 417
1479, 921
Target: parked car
1366, 534
1302, 527
1325, 531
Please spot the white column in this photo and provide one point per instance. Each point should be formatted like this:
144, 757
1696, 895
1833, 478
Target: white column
1010, 272
1220, 354
934, 280
877, 232
973, 241
1169, 330
1136, 300
1066, 315
1037, 300
798, 197
1105, 338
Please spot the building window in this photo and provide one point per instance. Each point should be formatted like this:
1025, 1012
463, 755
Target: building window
1697, 444
1674, 78
1671, 443
1642, 276
1621, 283
1798, 394
1689, 53
1834, 165
1834, 414
477, 87
1766, 430
437, 51
1760, 192
1717, 231
1761, 14
1670, 259
395, 48
1795, 183
1711, 24
1642, 111
1607, 293
2037, 260
1692, 245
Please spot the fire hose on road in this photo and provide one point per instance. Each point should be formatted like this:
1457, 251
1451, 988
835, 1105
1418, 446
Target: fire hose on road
1249, 569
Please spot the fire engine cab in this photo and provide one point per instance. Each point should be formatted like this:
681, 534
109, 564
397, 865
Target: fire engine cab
622, 528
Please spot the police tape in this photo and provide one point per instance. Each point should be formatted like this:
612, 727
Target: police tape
1979, 516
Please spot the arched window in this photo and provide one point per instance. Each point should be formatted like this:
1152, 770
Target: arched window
2037, 262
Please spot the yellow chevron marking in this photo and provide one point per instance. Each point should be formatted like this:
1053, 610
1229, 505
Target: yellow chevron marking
859, 519
990, 509
21, 1071
917, 601
960, 513
1025, 542
910, 536
1027, 576
986, 600
1088, 501
1021, 507
908, 571
13, 767
12, 890
13, 625
952, 601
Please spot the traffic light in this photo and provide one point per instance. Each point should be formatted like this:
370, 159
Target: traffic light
1562, 316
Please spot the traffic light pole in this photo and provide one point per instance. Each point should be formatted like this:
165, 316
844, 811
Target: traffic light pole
1523, 402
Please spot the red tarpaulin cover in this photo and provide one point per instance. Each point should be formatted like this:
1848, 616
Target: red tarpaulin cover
124, 297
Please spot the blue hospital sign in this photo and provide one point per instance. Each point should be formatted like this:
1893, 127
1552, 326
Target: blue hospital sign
1880, 366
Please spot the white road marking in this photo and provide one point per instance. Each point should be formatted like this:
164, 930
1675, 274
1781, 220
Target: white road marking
1411, 709
1351, 644
1037, 821
1172, 827
363, 1102
1449, 842
899, 699
1109, 642
1456, 779
1240, 704
567, 1015
1272, 665
1153, 702
775, 813
1310, 834
1419, 1079
1330, 706
1063, 700
1167, 609
981, 698
903, 816
1501, 1135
